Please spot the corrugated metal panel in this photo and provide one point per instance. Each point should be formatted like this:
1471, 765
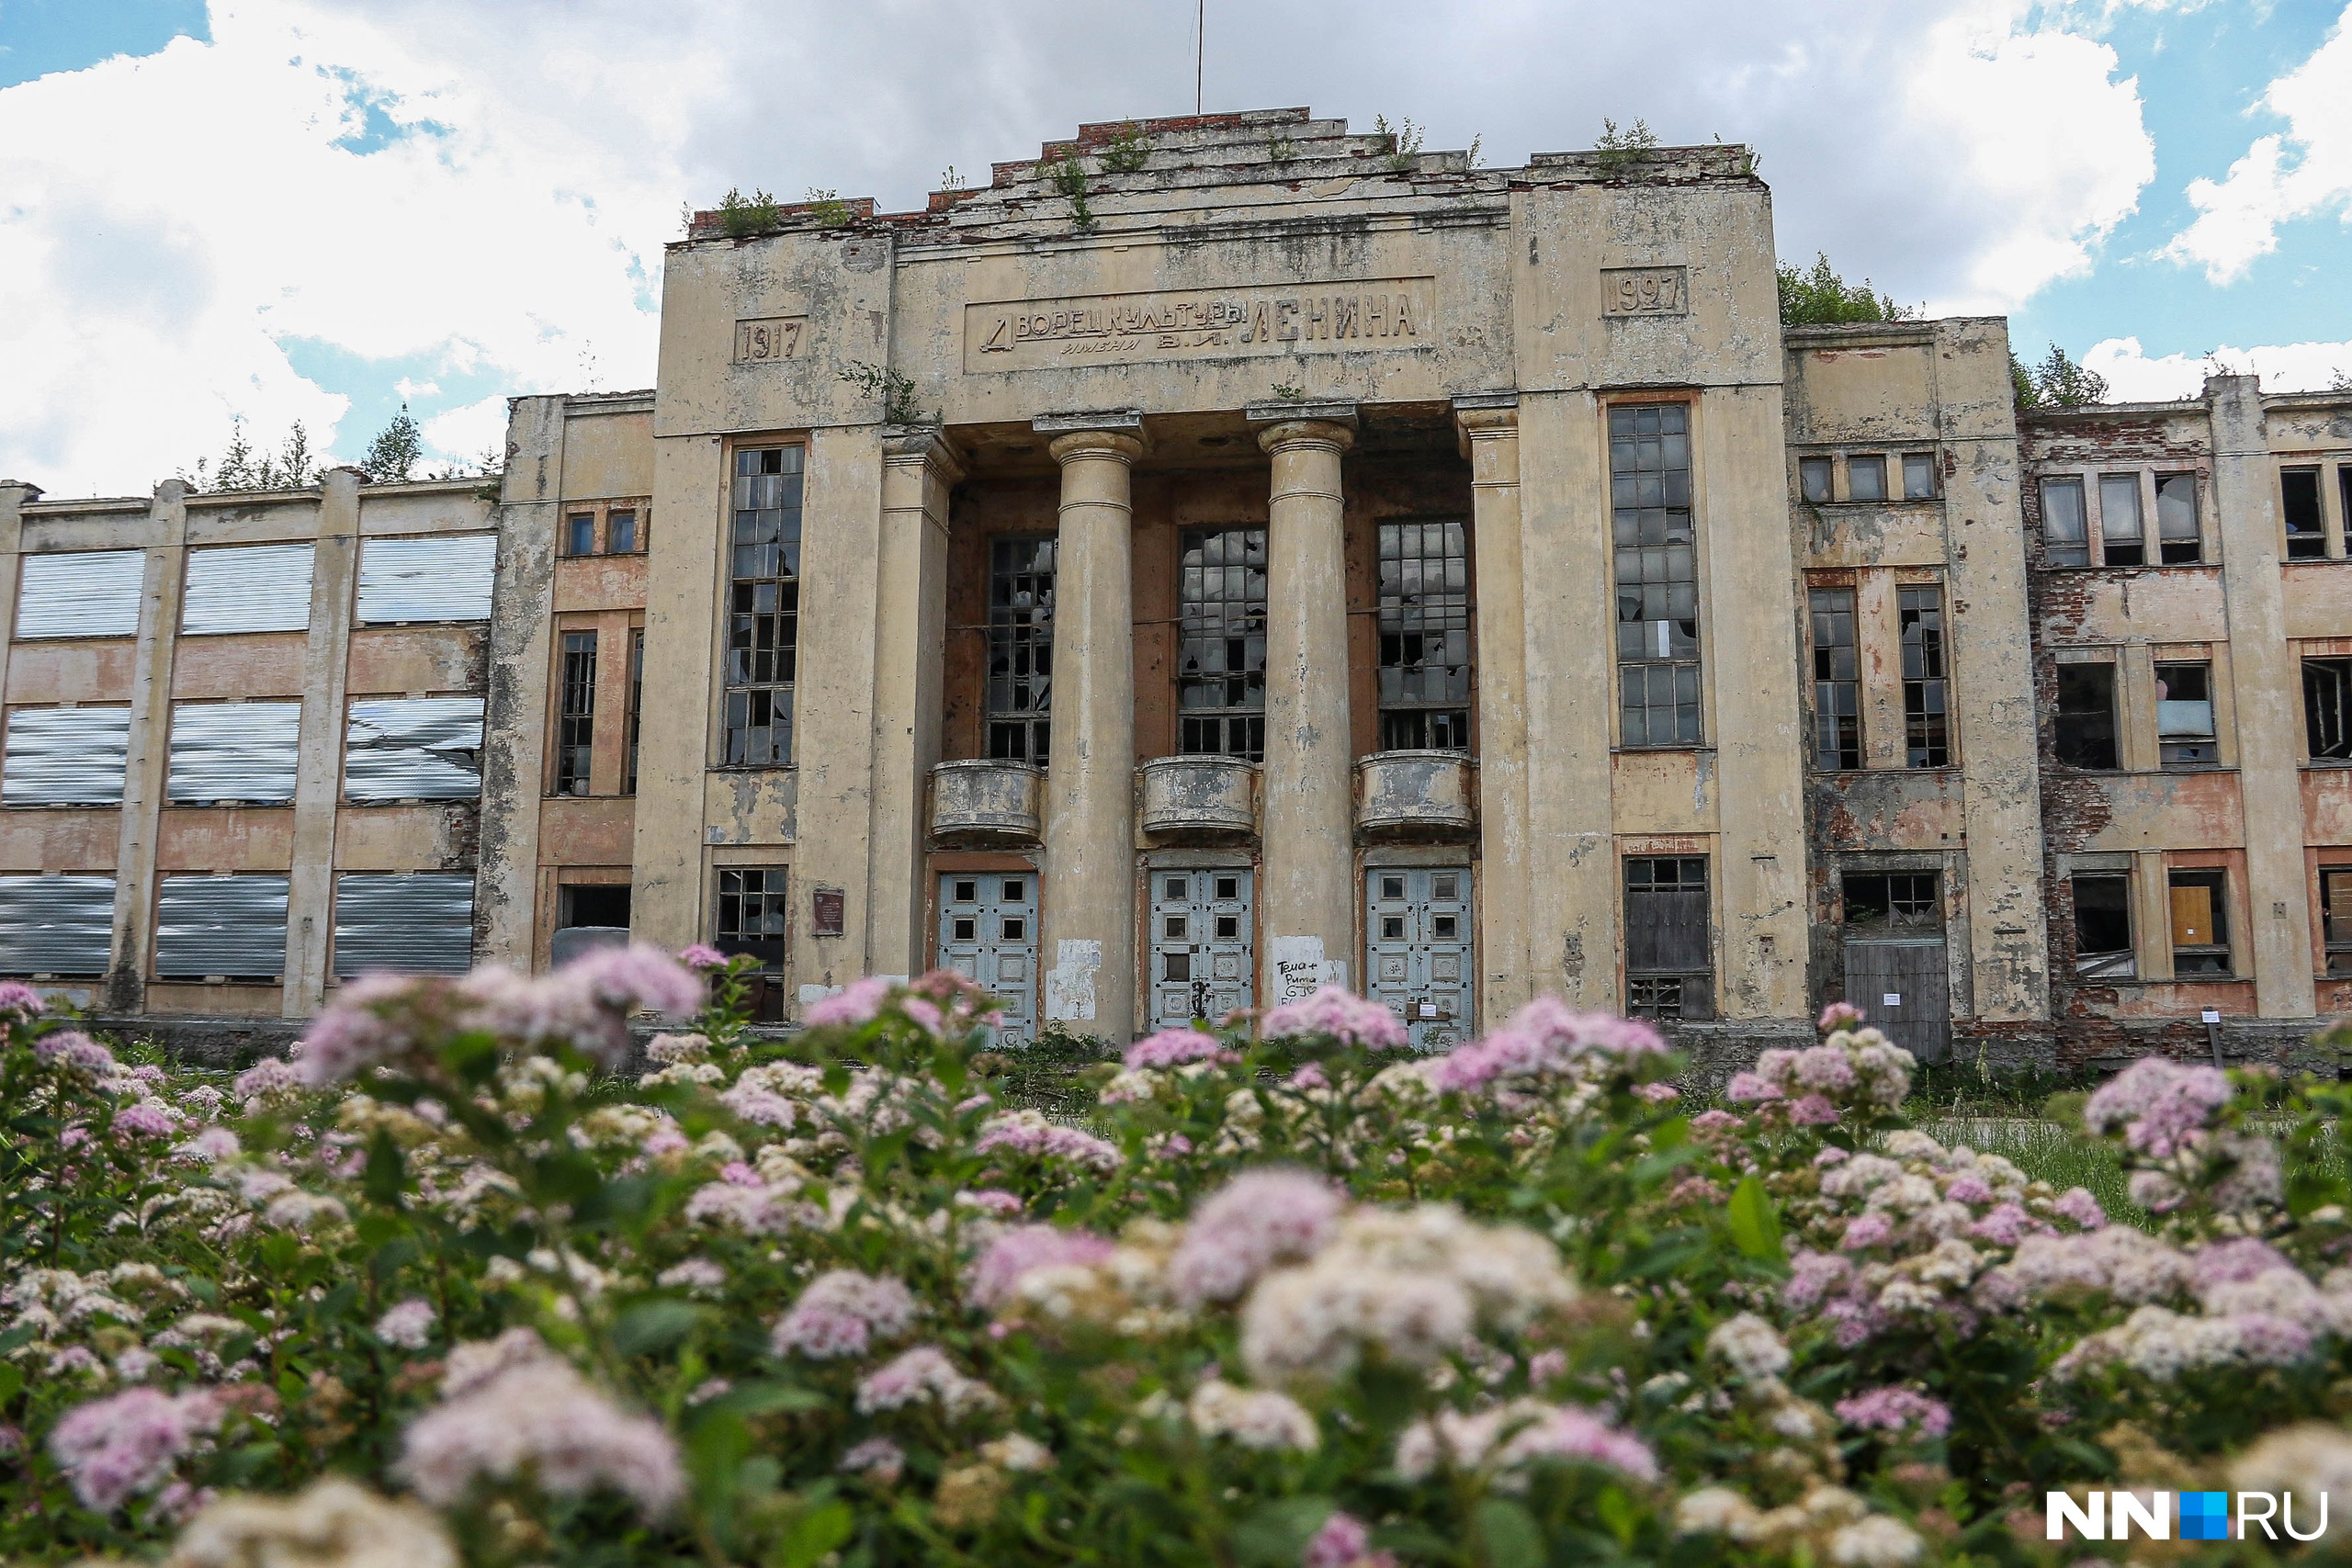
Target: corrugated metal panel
82, 593
444, 577
56, 925
413, 748
221, 925
247, 588
419, 924
64, 756
234, 751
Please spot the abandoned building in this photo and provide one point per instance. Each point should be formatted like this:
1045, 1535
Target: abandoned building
1221, 557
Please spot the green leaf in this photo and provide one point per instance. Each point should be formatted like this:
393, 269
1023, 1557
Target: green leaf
1509, 1534
387, 1174
816, 1532
768, 1397
12, 1379
1617, 1511
1278, 1531
1755, 1223
654, 1326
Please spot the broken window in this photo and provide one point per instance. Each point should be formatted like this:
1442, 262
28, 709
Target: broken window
2103, 926
80, 594
247, 588
1670, 966
1896, 903
2201, 936
2185, 715
2176, 534
1221, 672
620, 531
762, 608
597, 904
418, 922
2335, 918
580, 534
439, 577
1866, 479
1424, 636
221, 928
2327, 707
57, 927
1658, 575
233, 752
2085, 727
1919, 476
1926, 723
1021, 649
2121, 538
2065, 532
2299, 503
1836, 681
65, 756
413, 749
1815, 477
636, 704
751, 907
575, 740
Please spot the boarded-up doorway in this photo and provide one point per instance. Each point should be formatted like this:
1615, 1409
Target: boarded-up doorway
1896, 969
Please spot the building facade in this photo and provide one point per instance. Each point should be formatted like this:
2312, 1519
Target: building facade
1228, 555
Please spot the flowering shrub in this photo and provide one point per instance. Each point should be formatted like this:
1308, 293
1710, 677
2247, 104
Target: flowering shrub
460, 1282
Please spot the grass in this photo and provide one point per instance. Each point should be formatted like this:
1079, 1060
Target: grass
2046, 1151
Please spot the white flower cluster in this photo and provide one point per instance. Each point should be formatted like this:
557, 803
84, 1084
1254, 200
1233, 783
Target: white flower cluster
1828, 1523
1255, 1418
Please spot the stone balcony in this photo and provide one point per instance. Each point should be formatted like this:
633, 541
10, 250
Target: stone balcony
1199, 800
981, 803
1429, 796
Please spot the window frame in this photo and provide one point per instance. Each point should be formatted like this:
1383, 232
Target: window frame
1651, 990
1935, 472
2052, 544
1017, 632
2333, 941
744, 692
2137, 541
1441, 615
2129, 952
2216, 879
1683, 670
577, 649
636, 720
774, 902
2316, 536
2059, 715
1842, 730
1203, 620
1824, 466
2182, 741
1866, 462
2170, 549
2340, 670
1927, 676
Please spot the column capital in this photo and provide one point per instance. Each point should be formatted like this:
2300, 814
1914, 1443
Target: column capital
1486, 417
1284, 411
1291, 433
1112, 443
911, 443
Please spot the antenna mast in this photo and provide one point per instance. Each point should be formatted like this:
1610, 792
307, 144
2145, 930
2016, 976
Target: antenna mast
1200, 43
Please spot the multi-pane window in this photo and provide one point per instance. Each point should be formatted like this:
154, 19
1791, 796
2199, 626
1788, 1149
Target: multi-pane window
2335, 918
2177, 540
1021, 649
1815, 478
580, 534
575, 740
1221, 672
2327, 707
762, 607
2185, 715
2103, 926
1424, 636
1919, 476
1656, 572
2065, 529
2201, 923
1670, 966
1927, 725
2083, 732
2122, 539
753, 903
1866, 477
1895, 903
1836, 681
636, 704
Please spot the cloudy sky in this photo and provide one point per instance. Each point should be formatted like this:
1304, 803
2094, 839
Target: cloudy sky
316, 210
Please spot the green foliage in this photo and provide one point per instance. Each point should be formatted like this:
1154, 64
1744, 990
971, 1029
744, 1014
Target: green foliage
744, 216
1404, 143
1281, 148
395, 450
828, 209
1129, 151
1070, 178
1818, 297
894, 387
1620, 152
293, 467
2058, 382
950, 180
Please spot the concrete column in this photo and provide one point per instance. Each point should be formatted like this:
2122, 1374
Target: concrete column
1878, 638
2266, 679
684, 637
1088, 863
1489, 439
318, 786
514, 733
1306, 892
918, 469
144, 766
15, 496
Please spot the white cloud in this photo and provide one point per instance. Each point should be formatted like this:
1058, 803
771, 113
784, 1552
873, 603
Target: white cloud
470, 431
2238, 216
2133, 377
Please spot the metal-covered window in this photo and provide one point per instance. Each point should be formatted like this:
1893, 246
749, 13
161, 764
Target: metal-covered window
247, 588
2327, 707
439, 576
59, 926
1221, 672
1926, 687
753, 903
575, 742
65, 756
232, 928
413, 749
1021, 649
762, 608
1669, 963
636, 704
80, 594
1658, 575
1836, 681
1424, 635
412, 922
239, 751
2065, 526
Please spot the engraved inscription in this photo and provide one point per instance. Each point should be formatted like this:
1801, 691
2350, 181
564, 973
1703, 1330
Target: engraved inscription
1644, 291
772, 337
1318, 317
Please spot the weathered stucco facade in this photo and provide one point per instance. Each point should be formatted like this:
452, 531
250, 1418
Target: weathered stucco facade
1283, 562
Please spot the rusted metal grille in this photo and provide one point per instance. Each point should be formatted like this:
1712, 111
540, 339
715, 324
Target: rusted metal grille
247, 588
65, 756
418, 922
439, 576
80, 594
413, 748
233, 926
56, 925
244, 751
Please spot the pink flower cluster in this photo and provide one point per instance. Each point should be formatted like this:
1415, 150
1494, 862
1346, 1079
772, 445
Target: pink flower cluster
923, 1375
77, 1050
1899, 1412
1548, 1039
698, 955
1338, 1014
857, 1002
1029, 1133
1175, 1047
1344, 1542
408, 1324
994, 1277
112, 1448
1508, 1438
2162, 1106
21, 1001
841, 1313
1256, 1219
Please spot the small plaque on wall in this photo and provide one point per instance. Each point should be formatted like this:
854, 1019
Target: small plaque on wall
1644, 291
774, 337
828, 911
